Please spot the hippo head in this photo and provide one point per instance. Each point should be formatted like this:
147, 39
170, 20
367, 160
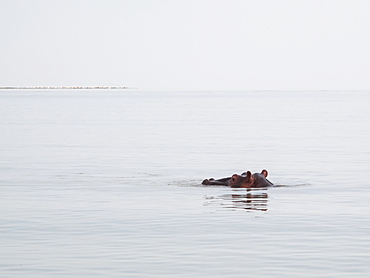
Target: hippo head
245, 180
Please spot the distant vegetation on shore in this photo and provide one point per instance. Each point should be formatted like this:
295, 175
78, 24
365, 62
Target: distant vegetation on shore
63, 87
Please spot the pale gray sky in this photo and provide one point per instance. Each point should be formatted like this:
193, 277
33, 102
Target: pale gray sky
186, 45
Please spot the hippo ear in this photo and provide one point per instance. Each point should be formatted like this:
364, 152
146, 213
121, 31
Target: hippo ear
265, 173
249, 174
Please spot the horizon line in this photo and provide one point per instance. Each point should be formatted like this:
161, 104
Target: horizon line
146, 89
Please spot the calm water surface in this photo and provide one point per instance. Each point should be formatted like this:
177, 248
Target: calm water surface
107, 184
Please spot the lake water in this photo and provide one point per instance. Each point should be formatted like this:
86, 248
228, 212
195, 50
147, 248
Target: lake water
107, 184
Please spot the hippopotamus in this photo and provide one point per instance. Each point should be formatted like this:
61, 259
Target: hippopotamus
245, 180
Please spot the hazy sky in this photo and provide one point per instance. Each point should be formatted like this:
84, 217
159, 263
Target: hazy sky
186, 45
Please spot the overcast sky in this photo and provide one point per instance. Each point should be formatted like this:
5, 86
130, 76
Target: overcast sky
186, 45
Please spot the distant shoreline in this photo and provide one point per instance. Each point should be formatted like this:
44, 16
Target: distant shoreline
63, 87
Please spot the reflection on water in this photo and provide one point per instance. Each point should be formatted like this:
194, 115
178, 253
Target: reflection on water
253, 200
